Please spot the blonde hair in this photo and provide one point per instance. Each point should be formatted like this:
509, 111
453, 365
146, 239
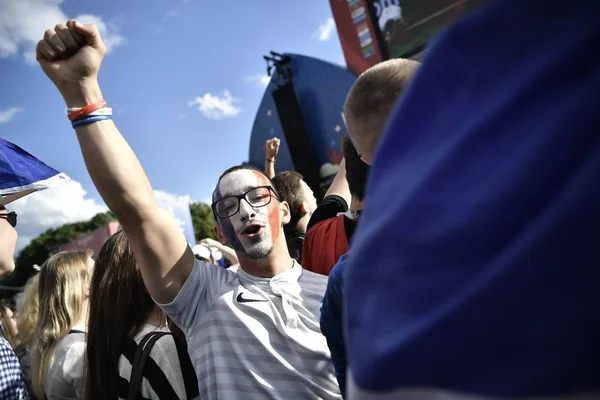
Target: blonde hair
62, 279
372, 97
28, 309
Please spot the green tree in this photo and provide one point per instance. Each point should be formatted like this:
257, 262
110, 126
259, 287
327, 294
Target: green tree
47, 244
50, 241
203, 220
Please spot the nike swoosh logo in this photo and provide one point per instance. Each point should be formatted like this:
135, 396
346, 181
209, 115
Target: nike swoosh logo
240, 299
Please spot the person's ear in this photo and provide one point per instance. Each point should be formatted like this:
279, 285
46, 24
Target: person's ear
219, 234
304, 209
285, 213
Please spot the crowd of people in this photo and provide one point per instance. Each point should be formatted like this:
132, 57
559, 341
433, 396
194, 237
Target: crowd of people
477, 211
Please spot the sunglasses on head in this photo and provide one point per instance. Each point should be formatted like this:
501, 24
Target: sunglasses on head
11, 217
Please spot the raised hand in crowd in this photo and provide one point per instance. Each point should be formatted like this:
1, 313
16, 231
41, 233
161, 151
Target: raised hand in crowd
227, 251
271, 151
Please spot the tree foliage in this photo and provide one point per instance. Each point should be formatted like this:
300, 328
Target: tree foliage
50, 241
47, 244
203, 220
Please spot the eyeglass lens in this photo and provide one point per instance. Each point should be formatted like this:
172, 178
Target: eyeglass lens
257, 197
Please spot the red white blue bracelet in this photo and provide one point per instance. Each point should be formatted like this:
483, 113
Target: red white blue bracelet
89, 114
90, 119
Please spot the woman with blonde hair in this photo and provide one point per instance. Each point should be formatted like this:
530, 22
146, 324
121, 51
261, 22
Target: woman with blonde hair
122, 316
59, 346
28, 307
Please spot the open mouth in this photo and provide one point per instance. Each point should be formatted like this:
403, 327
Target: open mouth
252, 230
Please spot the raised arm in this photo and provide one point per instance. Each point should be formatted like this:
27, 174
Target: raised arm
71, 56
339, 185
271, 151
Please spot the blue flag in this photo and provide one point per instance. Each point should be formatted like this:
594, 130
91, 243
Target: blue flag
474, 270
21, 173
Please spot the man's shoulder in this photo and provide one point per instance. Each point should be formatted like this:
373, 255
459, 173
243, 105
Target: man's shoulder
324, 225
337, 272
309, 275
312, 280
330, 207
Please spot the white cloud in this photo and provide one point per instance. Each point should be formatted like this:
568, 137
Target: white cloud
173, 13
7, 115
181, 116
68, 203
52, 208
261, 80
108, 30
215, 107
23, 22
324, 31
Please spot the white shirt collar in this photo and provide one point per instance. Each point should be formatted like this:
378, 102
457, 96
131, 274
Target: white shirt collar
290, 276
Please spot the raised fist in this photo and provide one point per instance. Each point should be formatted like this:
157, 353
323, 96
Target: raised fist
272, 148
71, 54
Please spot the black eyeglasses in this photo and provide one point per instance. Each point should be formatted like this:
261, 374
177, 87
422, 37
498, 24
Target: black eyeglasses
228, 206
11, 217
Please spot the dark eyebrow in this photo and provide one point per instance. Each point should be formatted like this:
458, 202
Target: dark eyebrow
238, 192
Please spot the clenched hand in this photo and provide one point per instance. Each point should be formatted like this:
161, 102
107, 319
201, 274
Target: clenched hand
71, 55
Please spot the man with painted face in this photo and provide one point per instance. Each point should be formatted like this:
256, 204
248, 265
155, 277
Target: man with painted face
253, 334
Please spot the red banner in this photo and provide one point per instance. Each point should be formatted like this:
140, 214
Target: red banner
93, 240
357, 34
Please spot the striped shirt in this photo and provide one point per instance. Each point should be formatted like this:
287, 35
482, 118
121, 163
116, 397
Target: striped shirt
253, 337
166, 373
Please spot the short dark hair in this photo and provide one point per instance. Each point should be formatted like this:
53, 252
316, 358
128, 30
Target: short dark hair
240, 168
357, 170
289, 186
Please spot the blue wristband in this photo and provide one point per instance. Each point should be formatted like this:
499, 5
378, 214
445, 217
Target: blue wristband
89, 120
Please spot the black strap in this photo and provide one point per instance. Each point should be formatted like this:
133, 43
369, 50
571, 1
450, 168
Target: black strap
190, 381
75, 331
139, 361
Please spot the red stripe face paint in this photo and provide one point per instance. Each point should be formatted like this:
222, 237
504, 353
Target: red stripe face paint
273, 214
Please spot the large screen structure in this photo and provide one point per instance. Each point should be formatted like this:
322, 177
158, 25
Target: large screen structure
371, 31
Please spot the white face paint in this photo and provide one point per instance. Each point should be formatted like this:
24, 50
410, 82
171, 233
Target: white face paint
241, 229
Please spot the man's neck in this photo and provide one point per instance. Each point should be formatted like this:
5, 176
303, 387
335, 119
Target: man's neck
268, 267
356, 204
303, 223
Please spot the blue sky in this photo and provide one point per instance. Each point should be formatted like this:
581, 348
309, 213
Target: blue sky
183, 77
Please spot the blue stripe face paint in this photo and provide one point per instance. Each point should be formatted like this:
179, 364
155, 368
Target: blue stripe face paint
226, 226
254, 245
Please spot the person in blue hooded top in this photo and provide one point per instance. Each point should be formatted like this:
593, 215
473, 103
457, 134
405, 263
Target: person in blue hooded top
20, 174
475, 271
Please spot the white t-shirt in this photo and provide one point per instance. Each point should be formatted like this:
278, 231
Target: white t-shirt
255, 338
65, 377
168, 378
